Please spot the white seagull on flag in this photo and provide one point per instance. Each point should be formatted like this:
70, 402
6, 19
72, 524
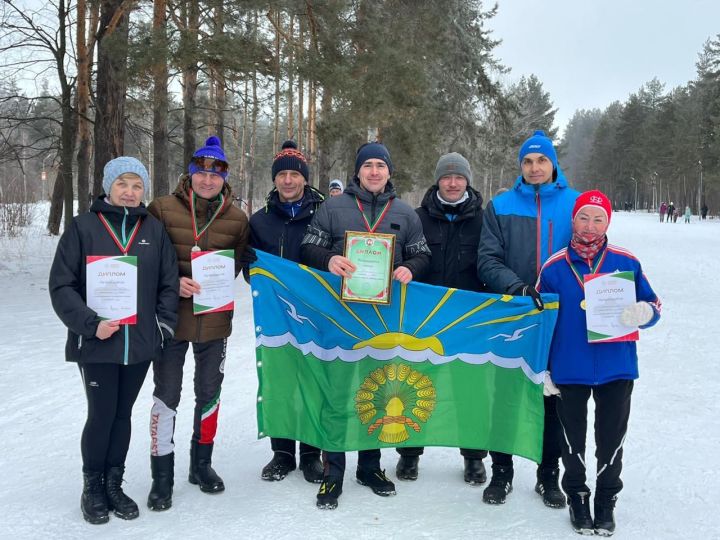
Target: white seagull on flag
294, 314
517, 334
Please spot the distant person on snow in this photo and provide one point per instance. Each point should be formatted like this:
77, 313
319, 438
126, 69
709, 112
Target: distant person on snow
662, 210
688, 214
606, 370
114, 356
670, 212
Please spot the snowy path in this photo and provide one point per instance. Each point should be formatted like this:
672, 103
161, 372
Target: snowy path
671, 475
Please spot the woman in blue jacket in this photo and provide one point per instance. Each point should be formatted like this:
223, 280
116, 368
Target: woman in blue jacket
605, 370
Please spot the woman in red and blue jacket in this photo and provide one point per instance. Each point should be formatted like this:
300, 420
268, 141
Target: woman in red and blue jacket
606, 370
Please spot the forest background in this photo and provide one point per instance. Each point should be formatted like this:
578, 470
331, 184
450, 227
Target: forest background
84, 81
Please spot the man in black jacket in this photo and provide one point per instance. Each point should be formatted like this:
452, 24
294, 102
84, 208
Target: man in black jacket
278, 228
451, 215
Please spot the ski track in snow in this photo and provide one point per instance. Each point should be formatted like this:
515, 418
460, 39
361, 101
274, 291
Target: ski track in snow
670, 471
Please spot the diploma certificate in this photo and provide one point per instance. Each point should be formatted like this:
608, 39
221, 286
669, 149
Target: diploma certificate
606, 296
372, 254
215, 272
111, 287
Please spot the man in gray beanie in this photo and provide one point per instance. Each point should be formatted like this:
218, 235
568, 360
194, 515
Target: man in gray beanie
451, 216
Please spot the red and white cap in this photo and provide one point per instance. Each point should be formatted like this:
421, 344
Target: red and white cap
593, 198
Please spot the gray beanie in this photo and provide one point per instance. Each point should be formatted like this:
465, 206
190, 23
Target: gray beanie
453, 163
336, 184
121, 165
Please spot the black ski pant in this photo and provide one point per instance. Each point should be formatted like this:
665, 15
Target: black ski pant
469, 453
287, 446
612, 411
334, 462
168, 376
111, 391
552, 433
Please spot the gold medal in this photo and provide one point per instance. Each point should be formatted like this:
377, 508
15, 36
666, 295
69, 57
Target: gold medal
195, 249
583, 304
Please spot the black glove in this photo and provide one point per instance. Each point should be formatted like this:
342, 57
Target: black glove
529, 290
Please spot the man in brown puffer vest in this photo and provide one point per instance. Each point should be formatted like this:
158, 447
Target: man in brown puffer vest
198, 216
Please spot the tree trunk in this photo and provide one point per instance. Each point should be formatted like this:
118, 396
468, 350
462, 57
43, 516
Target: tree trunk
253, 142
324, 145
291, 82
301, 91
189, 36
111, 87
276, 123
218, 78
312, 143
85, 47
160, 182
244, 190
56, 204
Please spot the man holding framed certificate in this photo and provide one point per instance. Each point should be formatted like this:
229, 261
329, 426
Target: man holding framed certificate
368, 206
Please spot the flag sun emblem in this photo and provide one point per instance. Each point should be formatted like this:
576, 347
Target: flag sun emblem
390, 391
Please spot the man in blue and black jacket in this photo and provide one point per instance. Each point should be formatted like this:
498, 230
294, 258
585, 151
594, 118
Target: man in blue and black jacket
278, 228
521, 229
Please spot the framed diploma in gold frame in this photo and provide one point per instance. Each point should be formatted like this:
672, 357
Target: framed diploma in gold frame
373, 257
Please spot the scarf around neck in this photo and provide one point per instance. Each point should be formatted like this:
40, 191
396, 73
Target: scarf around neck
587, 250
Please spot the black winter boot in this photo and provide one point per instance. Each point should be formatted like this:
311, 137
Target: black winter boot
376, 480
330, 490
580, 518
604, 518
93, 501
311, 467
278, 467
474, 473
163, 472
407, 468
121, 505
500, 485
547, 486
201, 472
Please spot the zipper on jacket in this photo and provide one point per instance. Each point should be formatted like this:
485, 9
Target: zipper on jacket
127, 344
162, 337
282, 242
127, 332
550, 238
79, 342
538, 239
204, 246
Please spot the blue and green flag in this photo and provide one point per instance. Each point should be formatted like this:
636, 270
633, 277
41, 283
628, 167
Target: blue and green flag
436, 367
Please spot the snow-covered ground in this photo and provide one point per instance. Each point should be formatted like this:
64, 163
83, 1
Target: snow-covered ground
671, 474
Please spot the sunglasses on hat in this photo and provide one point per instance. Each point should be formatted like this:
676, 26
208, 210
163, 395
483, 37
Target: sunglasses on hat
210, 164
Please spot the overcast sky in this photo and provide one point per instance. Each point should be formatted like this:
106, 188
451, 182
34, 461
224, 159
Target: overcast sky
588, 53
